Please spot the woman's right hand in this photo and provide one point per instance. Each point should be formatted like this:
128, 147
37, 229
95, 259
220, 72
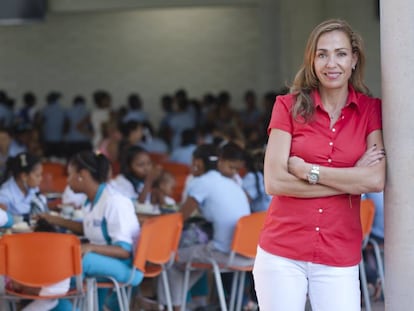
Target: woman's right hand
372, 156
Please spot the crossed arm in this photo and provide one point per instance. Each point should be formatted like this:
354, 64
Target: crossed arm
287, 176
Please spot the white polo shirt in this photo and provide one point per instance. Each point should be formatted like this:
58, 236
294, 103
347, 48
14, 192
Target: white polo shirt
124, 186
111, 219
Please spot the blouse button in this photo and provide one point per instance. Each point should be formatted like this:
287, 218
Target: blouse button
330, 143
320, 210
333, 130
317, 229
330, 160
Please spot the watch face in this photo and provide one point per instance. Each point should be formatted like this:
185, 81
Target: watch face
313, 178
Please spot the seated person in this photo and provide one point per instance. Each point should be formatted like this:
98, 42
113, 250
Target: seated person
220, 201
253, 182
162, 191
109, 223
137, 175
19, 193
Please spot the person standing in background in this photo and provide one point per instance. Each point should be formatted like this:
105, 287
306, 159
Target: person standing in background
52, 119
78, 134
100, 114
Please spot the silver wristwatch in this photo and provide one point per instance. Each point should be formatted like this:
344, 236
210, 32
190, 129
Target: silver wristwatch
313, 175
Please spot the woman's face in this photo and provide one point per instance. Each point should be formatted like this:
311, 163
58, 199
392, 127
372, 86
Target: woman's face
229, 168
334, 60
136, 135
141, 165
197, 167
34, 178
74, 179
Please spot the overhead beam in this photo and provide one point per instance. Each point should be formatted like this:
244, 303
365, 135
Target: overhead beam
69, 6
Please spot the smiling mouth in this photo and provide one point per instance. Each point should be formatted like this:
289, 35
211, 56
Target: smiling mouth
332, 75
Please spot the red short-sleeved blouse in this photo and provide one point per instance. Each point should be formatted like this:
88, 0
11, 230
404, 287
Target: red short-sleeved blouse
324, 230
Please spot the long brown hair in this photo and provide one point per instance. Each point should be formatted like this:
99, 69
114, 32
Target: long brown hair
306, 80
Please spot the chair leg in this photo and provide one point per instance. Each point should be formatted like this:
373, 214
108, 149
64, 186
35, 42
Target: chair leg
380, 264
219, 285
125, 298
364, 285
233, 290
120, 297
167, 290
91, 301
185, 285
241, 290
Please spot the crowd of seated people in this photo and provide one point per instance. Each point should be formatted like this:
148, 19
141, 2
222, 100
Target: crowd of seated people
221, 148
51, 129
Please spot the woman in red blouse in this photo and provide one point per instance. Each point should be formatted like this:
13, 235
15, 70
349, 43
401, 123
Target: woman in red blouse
325, 148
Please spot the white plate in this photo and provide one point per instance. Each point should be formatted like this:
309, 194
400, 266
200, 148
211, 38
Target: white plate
21, 230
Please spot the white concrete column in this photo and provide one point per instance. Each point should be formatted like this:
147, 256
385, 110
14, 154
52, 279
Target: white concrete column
397, 59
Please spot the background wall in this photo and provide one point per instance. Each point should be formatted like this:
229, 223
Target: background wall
145, 51
250, 44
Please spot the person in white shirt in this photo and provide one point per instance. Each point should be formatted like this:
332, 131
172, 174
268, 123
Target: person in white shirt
109, 223
220, 201
19, 194
137, 175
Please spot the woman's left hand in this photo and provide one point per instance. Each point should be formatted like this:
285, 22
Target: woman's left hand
297, 167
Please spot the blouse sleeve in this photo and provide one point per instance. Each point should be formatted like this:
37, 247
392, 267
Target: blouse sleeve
197, 189
281, 114
374, 116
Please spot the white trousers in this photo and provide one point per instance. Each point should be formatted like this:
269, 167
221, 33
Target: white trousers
282, 285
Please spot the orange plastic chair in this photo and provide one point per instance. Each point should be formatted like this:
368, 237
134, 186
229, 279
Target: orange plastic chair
367, 213
176, 168
245, 240
40, 259
156, 250
53, 184
121, 289
166, 233
54, 168
158, 158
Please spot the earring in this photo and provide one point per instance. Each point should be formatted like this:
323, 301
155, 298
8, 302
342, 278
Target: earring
353, 67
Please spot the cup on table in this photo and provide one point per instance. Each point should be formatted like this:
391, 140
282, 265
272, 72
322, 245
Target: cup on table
67, 210
78, 214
